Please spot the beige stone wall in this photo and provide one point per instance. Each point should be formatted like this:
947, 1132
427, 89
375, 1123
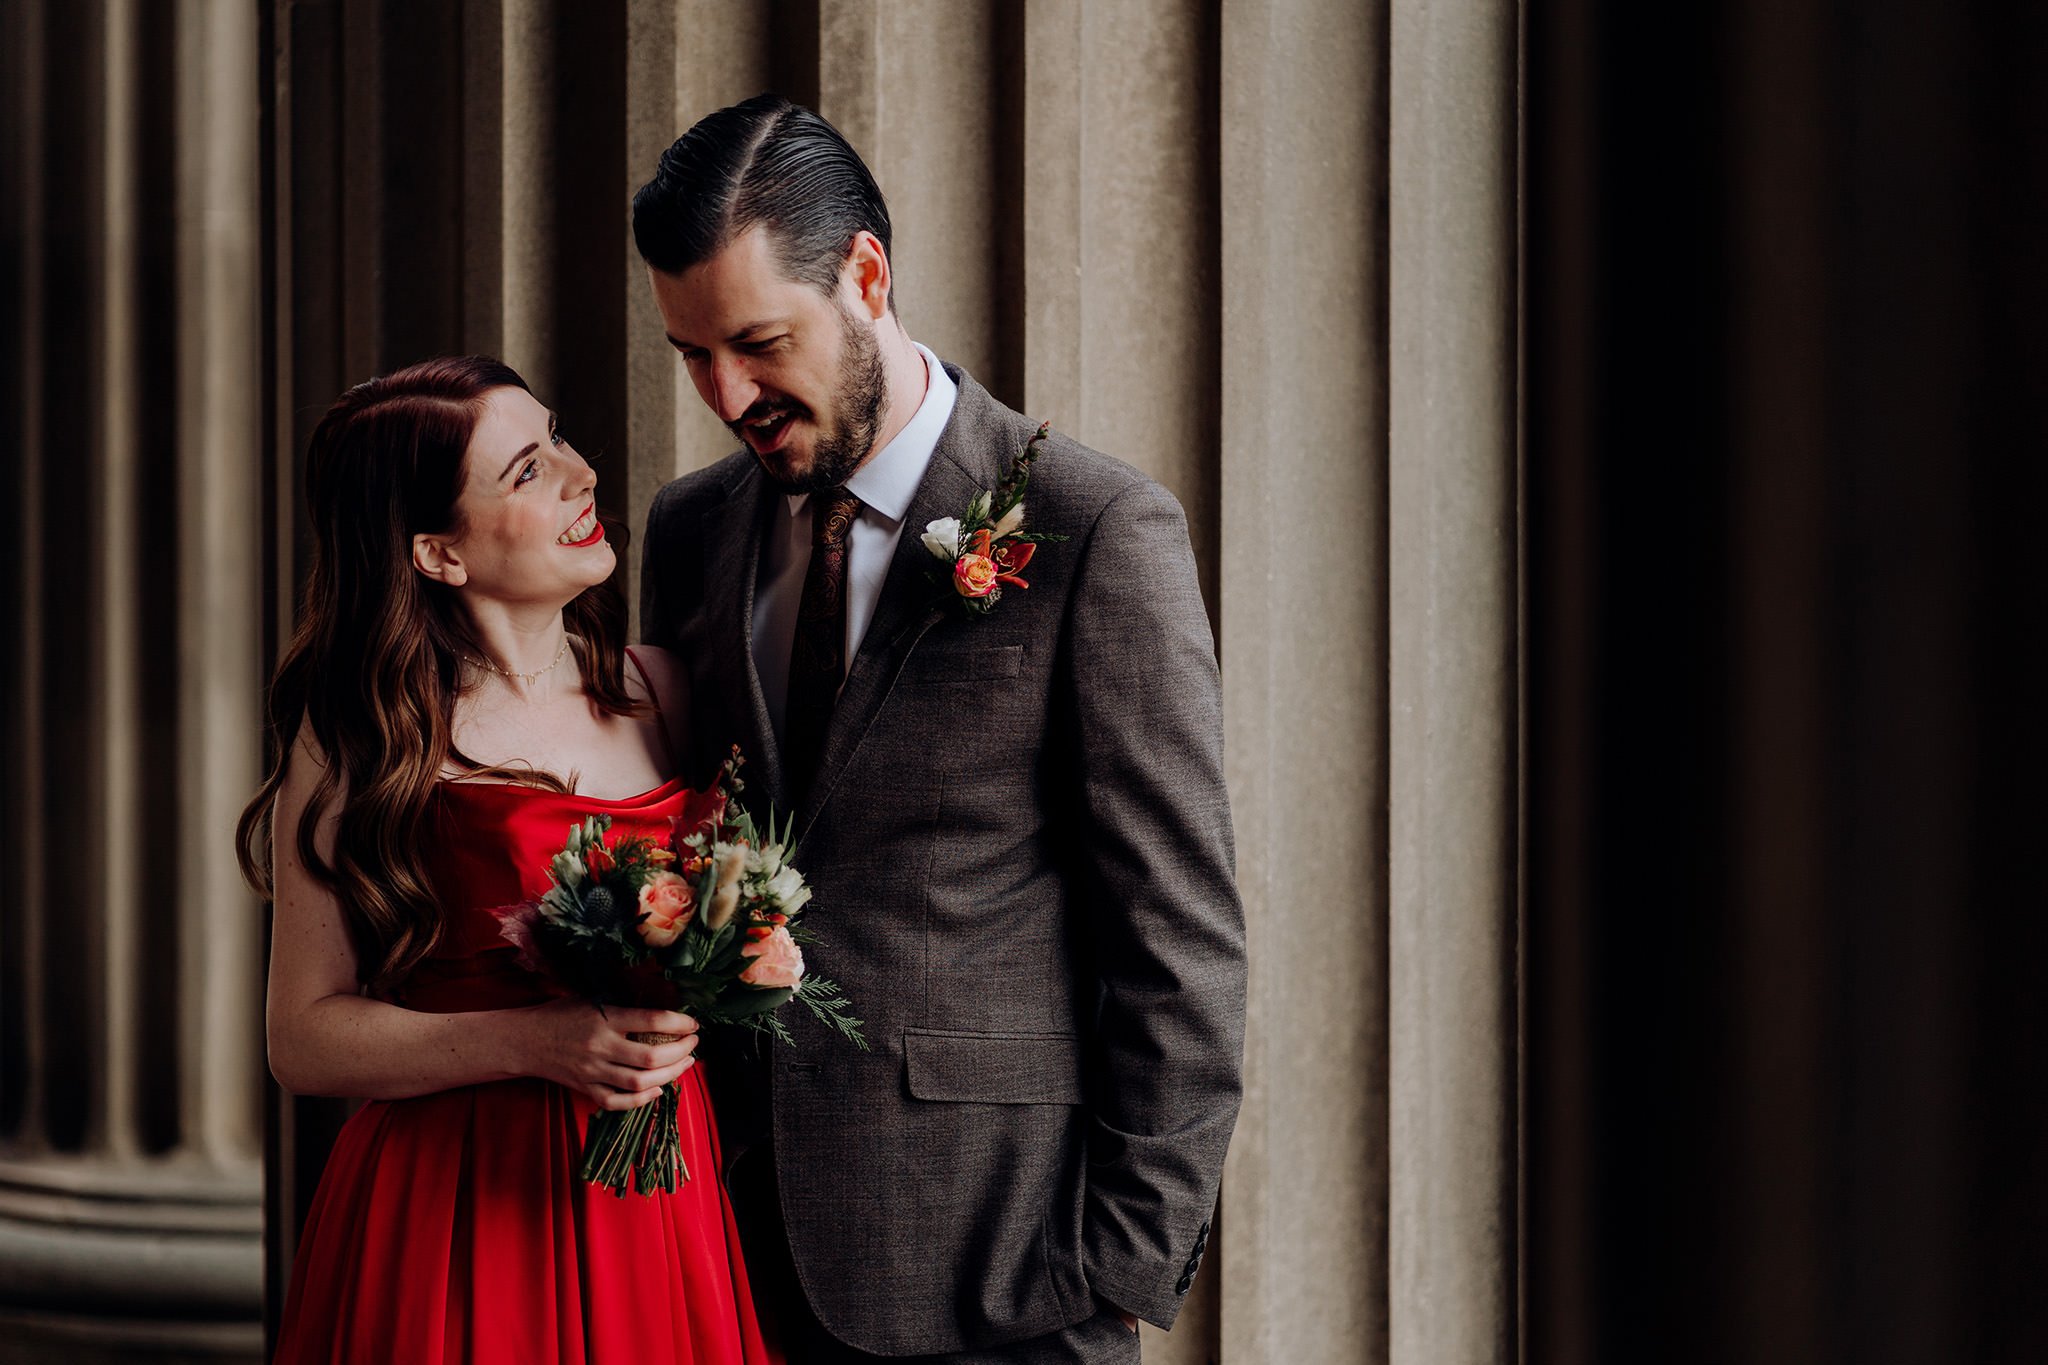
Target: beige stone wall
1262, 249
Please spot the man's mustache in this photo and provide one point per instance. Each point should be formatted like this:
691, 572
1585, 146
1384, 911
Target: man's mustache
766, 409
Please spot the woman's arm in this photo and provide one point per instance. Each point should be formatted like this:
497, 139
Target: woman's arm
327, 1038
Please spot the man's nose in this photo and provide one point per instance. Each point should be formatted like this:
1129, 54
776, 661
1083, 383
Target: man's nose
733, 390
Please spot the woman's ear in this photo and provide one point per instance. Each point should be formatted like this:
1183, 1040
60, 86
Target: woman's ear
436, 558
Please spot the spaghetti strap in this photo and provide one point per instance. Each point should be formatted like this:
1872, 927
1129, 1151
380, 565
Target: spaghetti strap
668, 748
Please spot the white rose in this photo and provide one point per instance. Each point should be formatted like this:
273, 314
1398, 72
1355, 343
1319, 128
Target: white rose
787, 890
942, 538
1012, 519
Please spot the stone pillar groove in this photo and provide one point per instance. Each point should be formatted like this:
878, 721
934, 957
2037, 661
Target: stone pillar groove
683, 59
658, 392
527, 195
1453, 669
1304, 635
497, 157
25, 915
119, 580
220, 575
849, 70
1049, 193
1147, 345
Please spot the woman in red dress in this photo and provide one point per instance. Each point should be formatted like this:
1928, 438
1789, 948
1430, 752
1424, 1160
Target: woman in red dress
456, 696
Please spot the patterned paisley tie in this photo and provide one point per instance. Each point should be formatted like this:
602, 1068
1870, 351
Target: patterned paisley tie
817, 656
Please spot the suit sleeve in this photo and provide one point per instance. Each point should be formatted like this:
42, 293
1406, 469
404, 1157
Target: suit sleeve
1160, 902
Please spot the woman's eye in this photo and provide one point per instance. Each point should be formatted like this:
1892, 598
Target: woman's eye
557, 438
528, 474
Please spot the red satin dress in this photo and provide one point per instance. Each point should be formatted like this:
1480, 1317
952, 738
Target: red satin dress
453, 1227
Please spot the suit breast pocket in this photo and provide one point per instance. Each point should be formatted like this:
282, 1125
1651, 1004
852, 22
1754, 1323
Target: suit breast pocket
992, 1068
989, 663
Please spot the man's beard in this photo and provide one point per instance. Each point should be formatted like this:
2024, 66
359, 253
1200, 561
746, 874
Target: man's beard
858, 400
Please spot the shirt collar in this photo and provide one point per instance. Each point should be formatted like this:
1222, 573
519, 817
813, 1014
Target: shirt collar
889, 482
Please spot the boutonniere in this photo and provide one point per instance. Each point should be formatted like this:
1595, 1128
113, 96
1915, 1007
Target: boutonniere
988, 547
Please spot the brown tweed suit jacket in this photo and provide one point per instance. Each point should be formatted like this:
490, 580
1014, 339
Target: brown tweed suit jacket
1020, 847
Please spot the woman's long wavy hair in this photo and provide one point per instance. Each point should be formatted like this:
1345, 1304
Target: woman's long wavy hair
377, 662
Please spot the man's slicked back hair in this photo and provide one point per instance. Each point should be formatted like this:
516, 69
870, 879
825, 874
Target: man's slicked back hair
765, 162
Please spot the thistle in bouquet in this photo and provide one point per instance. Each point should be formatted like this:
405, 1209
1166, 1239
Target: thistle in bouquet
709, 923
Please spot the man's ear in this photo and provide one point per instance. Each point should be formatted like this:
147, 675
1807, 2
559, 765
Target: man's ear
437, 559
867, 270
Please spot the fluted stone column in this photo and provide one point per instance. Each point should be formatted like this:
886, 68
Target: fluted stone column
1261, 249
130, 1135
1453, 671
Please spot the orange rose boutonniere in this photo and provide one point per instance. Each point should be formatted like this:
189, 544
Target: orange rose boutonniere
989, 547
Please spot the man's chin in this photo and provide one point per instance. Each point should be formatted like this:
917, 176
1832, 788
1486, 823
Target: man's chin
788, 470
815, 465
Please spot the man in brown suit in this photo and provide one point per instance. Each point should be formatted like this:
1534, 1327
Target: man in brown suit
1014, 821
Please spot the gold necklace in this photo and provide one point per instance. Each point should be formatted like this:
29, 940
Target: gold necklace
560, 654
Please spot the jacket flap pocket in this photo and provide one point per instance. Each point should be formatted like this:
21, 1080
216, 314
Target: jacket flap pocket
993, 1068
931, 663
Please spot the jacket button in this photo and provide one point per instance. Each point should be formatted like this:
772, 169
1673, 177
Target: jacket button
1185, 1282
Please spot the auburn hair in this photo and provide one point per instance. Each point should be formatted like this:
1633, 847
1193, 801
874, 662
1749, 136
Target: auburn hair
376, 664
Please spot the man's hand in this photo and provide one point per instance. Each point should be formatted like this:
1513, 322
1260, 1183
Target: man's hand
1129, 1320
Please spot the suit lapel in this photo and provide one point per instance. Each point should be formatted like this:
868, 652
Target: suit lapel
732, 566
962, 465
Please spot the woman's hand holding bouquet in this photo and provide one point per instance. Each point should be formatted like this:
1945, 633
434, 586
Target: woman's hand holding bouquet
596, 1052
706, 927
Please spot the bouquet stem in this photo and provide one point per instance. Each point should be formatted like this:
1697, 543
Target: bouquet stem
638, 1148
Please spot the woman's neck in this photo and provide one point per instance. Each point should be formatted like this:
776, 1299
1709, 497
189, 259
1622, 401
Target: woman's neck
522, 649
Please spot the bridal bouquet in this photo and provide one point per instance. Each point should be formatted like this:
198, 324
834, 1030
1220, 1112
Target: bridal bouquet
709, 923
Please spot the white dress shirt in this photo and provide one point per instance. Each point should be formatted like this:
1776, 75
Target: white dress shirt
885, 486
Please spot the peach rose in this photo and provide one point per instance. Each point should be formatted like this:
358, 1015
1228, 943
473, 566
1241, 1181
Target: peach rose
974, 575
666, 904
777, 961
